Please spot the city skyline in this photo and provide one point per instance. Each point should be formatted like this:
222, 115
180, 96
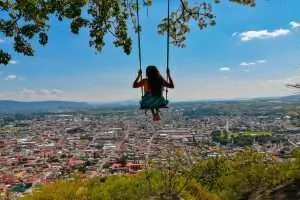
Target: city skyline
251, 52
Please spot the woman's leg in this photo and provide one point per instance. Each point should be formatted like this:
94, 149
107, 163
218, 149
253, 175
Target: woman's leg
157, 114
153, 113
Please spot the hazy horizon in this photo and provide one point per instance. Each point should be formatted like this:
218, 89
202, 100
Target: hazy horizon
137, 100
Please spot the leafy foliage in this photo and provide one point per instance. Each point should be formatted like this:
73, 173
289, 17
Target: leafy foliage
133, 187
245, 175
26, 20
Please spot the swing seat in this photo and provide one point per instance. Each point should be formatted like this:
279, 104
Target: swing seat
148, 108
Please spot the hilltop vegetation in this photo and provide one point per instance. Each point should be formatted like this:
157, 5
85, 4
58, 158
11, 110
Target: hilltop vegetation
246, 175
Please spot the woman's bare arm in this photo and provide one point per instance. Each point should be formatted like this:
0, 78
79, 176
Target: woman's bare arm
137, 82
169, 83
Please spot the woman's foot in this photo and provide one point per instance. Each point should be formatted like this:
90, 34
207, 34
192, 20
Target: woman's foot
156, 117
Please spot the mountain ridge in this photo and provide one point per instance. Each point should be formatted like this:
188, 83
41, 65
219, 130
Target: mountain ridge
36, 106
47, 105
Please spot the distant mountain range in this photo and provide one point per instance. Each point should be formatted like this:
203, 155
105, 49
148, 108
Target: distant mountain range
38, 106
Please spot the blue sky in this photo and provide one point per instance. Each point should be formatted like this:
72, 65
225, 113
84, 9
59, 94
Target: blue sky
251, 52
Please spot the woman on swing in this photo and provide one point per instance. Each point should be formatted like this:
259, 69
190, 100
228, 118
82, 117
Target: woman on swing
153, 86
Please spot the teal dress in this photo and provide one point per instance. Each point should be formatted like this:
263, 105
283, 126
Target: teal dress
151, 102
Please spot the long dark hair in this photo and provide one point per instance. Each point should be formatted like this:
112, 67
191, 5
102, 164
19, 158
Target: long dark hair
155, 81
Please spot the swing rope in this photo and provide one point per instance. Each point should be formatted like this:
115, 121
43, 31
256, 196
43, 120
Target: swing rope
140, 48
168, 46
139, 40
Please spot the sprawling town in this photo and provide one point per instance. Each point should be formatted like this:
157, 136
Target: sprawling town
43, 148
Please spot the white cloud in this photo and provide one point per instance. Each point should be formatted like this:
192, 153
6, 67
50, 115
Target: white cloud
253, 62
50, 92
11, 78
247, 63
224, 69
41, 92
13, 62
57, 91
44, 92
292, 79
261, 61
294, 24
234, 34
246, 70
263, 34
28, 92
286, 80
